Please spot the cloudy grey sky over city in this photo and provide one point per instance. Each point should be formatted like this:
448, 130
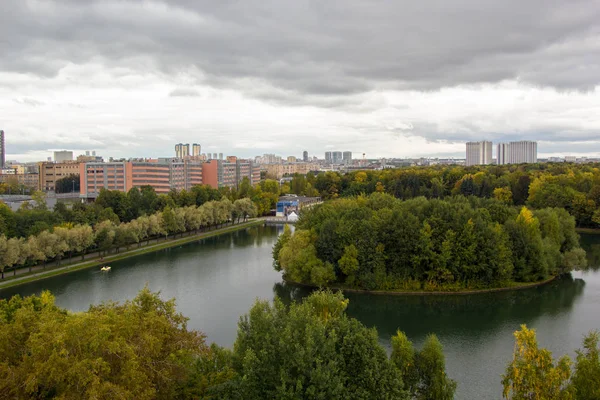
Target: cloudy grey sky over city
387, 78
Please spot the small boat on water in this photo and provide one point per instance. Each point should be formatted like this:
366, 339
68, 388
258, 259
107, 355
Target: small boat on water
106, 268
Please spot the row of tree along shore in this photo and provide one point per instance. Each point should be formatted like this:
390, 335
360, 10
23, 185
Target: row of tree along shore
34, 235
142, 349
68, 240
378, 242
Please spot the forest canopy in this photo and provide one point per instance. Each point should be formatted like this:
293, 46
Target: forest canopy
378, 242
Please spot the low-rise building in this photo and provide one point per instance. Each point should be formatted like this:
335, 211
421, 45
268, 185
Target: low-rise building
50, 172
292, 203
162, 174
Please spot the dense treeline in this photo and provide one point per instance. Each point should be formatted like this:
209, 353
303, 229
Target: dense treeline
108, 234
142, 349
33, 218
379, 242
33, 234
575, 188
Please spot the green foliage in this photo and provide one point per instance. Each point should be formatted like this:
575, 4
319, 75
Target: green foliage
575, 188
378, 242
533, 374
282, 240
68, 184
311, 351
140, 349
586, 378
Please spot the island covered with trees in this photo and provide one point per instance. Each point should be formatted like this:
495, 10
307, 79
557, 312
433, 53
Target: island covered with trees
378, 242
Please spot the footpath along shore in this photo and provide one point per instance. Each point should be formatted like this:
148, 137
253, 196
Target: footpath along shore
38, 272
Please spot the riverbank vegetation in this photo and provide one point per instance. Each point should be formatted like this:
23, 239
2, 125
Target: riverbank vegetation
69, 240
382, 243
143, 349
34, 235
574, 187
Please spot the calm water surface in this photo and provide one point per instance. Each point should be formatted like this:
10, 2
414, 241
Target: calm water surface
216, 280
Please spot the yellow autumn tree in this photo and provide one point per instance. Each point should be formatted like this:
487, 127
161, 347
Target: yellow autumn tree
533, 374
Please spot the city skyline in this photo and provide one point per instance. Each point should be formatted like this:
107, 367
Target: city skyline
303, 81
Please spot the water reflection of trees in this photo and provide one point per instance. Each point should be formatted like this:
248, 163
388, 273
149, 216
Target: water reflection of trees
469, 313
591, 244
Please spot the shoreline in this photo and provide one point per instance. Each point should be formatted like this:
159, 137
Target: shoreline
427, 293
589, 231
96, 262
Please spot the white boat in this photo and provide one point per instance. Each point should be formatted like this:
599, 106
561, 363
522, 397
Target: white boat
106, 268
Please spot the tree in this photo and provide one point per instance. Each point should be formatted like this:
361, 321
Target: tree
431, 367
40, 200
68, 184
141, 349
504, 195
349, 263
105, 236
586, 379
313, 350
244, 208
533, 374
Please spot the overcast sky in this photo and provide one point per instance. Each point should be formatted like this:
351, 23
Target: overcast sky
247, 77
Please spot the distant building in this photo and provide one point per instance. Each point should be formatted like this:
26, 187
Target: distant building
479, 153
62, 156
196, 150
182, 150
521, 152
305, 156
50, 172
2, 150
291, 159
277, 171
337, 157
570, 159
502, 153
162, 174
347, 157
328, 157
220, 173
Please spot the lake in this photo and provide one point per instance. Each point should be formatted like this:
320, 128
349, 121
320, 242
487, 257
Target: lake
216, 280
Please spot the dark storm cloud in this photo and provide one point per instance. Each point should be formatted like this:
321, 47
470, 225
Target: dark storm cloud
329, 48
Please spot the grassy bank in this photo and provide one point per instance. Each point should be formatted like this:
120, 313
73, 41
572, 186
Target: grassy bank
512, 286
11, 281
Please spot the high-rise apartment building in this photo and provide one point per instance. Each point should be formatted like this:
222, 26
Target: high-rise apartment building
479, 153
337, 157
196, 150
328, 157
502, 151
305, 156
524, 151
182, 150
220, 173
2, 150
347, 157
